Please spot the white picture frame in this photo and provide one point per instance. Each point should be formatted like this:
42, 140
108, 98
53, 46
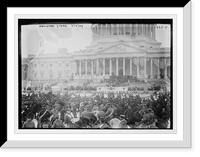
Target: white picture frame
179, 138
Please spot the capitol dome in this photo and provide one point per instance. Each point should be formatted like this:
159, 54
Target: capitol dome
102, 31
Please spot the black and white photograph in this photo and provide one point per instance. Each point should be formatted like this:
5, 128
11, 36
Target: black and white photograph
99, 77
95, 74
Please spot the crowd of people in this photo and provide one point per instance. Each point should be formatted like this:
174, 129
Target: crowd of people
95, 112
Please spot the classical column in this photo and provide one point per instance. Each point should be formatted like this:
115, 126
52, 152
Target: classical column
97, 71
136, 29
111, 29
154, 31
92, 68
99, 30
110, 66
146, 29
104, 69
150, 30
165, 60
106, 29
80, 68
117, 71
118, 29
124, 29
131, 71
85, 67
145, 67
142, 31
130, 29
124, 62
158, 77
102, 30
151, 69
94, 33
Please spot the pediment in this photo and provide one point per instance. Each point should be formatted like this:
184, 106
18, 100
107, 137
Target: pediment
121, 48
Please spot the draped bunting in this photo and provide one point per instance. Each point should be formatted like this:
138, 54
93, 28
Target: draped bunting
135, 61
147, 59
162, 63
141, 62
141, 72
168, 62
155, 60
120, 62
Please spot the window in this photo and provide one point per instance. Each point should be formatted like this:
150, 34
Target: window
67, 74
51, 74
121, 29
59, 74
133, 29
42, 74
127, 29
115, 29
109, 29
140, 29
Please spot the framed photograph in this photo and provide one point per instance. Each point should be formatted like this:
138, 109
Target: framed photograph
93, 78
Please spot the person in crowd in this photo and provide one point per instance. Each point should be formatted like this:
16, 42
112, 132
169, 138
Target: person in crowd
44, 115
58, 123
29, 123
68, 118
153, 112
74, 109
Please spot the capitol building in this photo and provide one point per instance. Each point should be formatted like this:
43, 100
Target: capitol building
116, 49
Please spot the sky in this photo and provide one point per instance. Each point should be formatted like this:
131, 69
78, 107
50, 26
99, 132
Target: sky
48, 38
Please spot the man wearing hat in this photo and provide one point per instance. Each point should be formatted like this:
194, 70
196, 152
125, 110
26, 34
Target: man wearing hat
68, 118
44, 115
109, 112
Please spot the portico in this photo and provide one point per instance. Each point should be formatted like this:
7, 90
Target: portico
141, 67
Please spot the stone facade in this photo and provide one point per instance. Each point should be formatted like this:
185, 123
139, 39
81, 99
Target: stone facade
116, 49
